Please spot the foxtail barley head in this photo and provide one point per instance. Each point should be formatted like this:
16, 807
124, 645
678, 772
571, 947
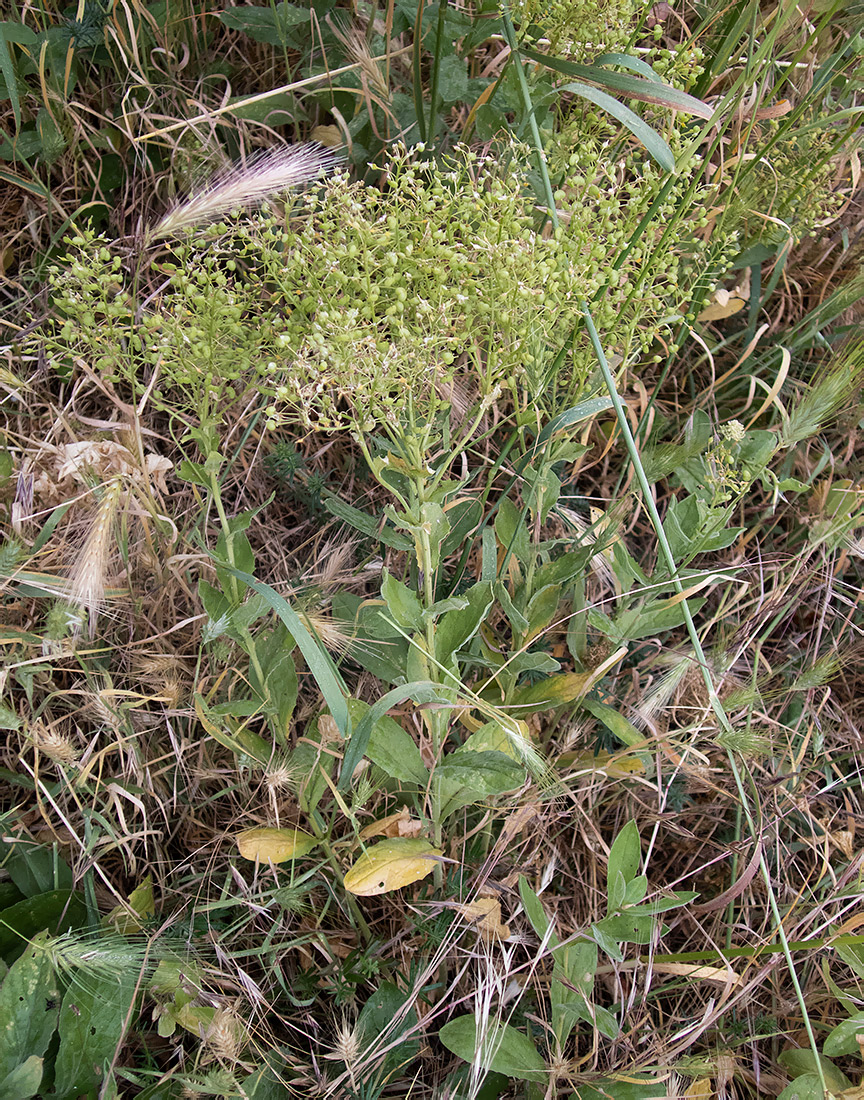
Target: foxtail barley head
248, 185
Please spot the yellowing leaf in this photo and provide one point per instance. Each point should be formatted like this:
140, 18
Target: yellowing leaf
726, 303
700, 1090
492, 737
616, 767
274, 845
391, 865
141, 906
399, 824
485, 915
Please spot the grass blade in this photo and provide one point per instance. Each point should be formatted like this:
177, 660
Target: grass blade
647, 135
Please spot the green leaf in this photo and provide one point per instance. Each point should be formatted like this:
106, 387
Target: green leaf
535, 912
383, 1018
517, 620
425, 692
55, 910
541, 609
635, 1087
317, 659
458, 627
647, 135
631, 926
402, 603
390, 746
452, 79
511, 531
631, 86
615, 722
806, 1087
801, 1060
625, 857
194, 472
574, 415
279, 688
92, 1023
466, 777
504, 1049
271, 25
842, 1039
23, 1081
9, 720
29, 1004
36, 868
13, 31
555, 691
625, 61
465, 517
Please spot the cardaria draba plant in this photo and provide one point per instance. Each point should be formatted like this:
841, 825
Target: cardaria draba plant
359, 297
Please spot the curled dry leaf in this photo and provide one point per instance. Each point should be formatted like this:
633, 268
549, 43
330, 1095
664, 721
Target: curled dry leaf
400, 824
265, 845
485, 915
391, 865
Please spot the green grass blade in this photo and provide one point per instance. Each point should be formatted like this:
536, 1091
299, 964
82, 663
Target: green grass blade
633, 87
647, 135
317, 659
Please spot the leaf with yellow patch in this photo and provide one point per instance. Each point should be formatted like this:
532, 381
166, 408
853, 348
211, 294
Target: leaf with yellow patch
484, 914
398, 824
391, 865
265, 845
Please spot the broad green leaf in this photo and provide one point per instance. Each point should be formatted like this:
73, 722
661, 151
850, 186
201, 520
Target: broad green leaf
317, 659
541, 610
806, 1087
625, 61
625, 857
494, 737
270, 845
512, 532
93, 1018
29, 1005
13, 31
55, 910
420, 692
574, 415
279, 689
464, 517
503, 1049
23, 1081
514, 616
391, 747
647, 135
243, 741
615, 722
467, 777
36, 868
383, 1018
842, 1039
801, 1060
403, 604
457, 628
390, 865
271, 25
9, 719
535, 912
631, 926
